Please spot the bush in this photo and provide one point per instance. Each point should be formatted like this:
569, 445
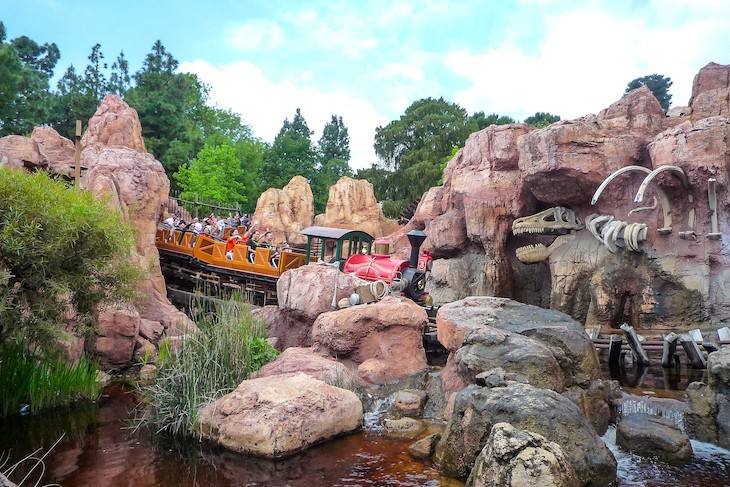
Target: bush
61, 251
208, 364
36, 383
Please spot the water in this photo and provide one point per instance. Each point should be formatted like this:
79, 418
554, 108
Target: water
710, 467
101, 450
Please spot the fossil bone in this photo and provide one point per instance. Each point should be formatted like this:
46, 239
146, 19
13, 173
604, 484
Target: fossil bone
553, 221
675, 169
663, 199
615, 234
644, 208
712, 198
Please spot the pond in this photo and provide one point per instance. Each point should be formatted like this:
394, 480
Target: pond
100, 448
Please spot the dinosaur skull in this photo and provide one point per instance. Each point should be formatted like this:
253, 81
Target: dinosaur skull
553, 221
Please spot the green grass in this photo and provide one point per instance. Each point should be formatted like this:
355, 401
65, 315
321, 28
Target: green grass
205, 365
40, 383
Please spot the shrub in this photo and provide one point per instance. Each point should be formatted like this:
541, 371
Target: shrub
205, 365
61, 250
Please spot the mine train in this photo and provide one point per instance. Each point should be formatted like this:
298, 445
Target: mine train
191, 262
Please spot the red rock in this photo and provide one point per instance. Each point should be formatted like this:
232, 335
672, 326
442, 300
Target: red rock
711, 92
308, 291
21, 152
59, 151
384, 338
307, 361
115, 124
118, 331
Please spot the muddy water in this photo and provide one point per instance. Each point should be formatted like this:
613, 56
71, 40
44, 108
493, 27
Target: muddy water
101, 450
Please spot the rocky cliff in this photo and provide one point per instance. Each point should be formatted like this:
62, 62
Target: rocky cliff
515, 216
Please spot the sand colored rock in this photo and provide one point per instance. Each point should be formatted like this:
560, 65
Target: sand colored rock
308, 291
59, 150
307, 361
281, 415
352, 204
114, 124
285, 212
21, 152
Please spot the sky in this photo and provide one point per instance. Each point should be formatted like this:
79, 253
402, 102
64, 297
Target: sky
368, 60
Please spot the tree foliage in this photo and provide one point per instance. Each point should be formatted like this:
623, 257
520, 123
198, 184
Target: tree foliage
542, 119
482, 121
659, 86
59, 248
213, 176
333, 160
291, 154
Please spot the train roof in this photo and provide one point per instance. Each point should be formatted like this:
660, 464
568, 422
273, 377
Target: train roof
336, 233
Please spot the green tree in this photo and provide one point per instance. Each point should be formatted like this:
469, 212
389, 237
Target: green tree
415, 145
10, 77
94, 78
213, 176
334, 160
60, 249
119, 80
542, 119
33, 101
482, 121
72, 102
659, 86
164, 100
291, 154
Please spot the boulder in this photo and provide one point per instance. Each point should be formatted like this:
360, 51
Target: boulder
384, 339
307, 292
403, 428
654, 437
117, 339
59, 151
279, 416
352, 205
488, 347
553, 333
517, 458
287, 329
21, 152
709, 415
423, 448
307, 361
409, 402
711, 92
476, 410
285, 212
151, 330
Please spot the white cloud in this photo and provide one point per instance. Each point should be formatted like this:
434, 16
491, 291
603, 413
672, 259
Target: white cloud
583, 64
406, 71
256, 35
264, 105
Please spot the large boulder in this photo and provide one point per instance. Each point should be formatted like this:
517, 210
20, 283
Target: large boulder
384, 340
352, 205
654, 437
280, 415
285, 212
516, 458
59, 151
476, 410
550, 348
309, 291
289, 329
709, 415
307, 361
20, 152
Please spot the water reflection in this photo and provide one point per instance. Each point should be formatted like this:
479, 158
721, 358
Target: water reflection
654, 376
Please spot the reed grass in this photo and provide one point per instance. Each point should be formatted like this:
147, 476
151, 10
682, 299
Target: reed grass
230, 344
36, 383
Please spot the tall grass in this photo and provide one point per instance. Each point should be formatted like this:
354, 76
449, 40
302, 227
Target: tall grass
205, 365
35, 383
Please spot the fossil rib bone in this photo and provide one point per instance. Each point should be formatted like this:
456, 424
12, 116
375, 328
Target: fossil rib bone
644, 208
615, 234
712, 198
663, 199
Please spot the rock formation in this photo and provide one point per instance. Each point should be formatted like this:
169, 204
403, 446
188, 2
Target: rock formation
118, 168
352, 204
709, 415
654, 437
662, 264
281, 415
285, 212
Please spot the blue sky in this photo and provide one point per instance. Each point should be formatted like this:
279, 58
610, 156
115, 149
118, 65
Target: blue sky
369, 60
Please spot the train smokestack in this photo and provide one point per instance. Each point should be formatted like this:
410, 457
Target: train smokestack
416, 238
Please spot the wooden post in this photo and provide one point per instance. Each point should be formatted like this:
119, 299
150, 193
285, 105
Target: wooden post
693, 352
77, 169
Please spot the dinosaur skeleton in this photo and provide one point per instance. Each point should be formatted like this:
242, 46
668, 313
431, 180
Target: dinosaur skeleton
553, 221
